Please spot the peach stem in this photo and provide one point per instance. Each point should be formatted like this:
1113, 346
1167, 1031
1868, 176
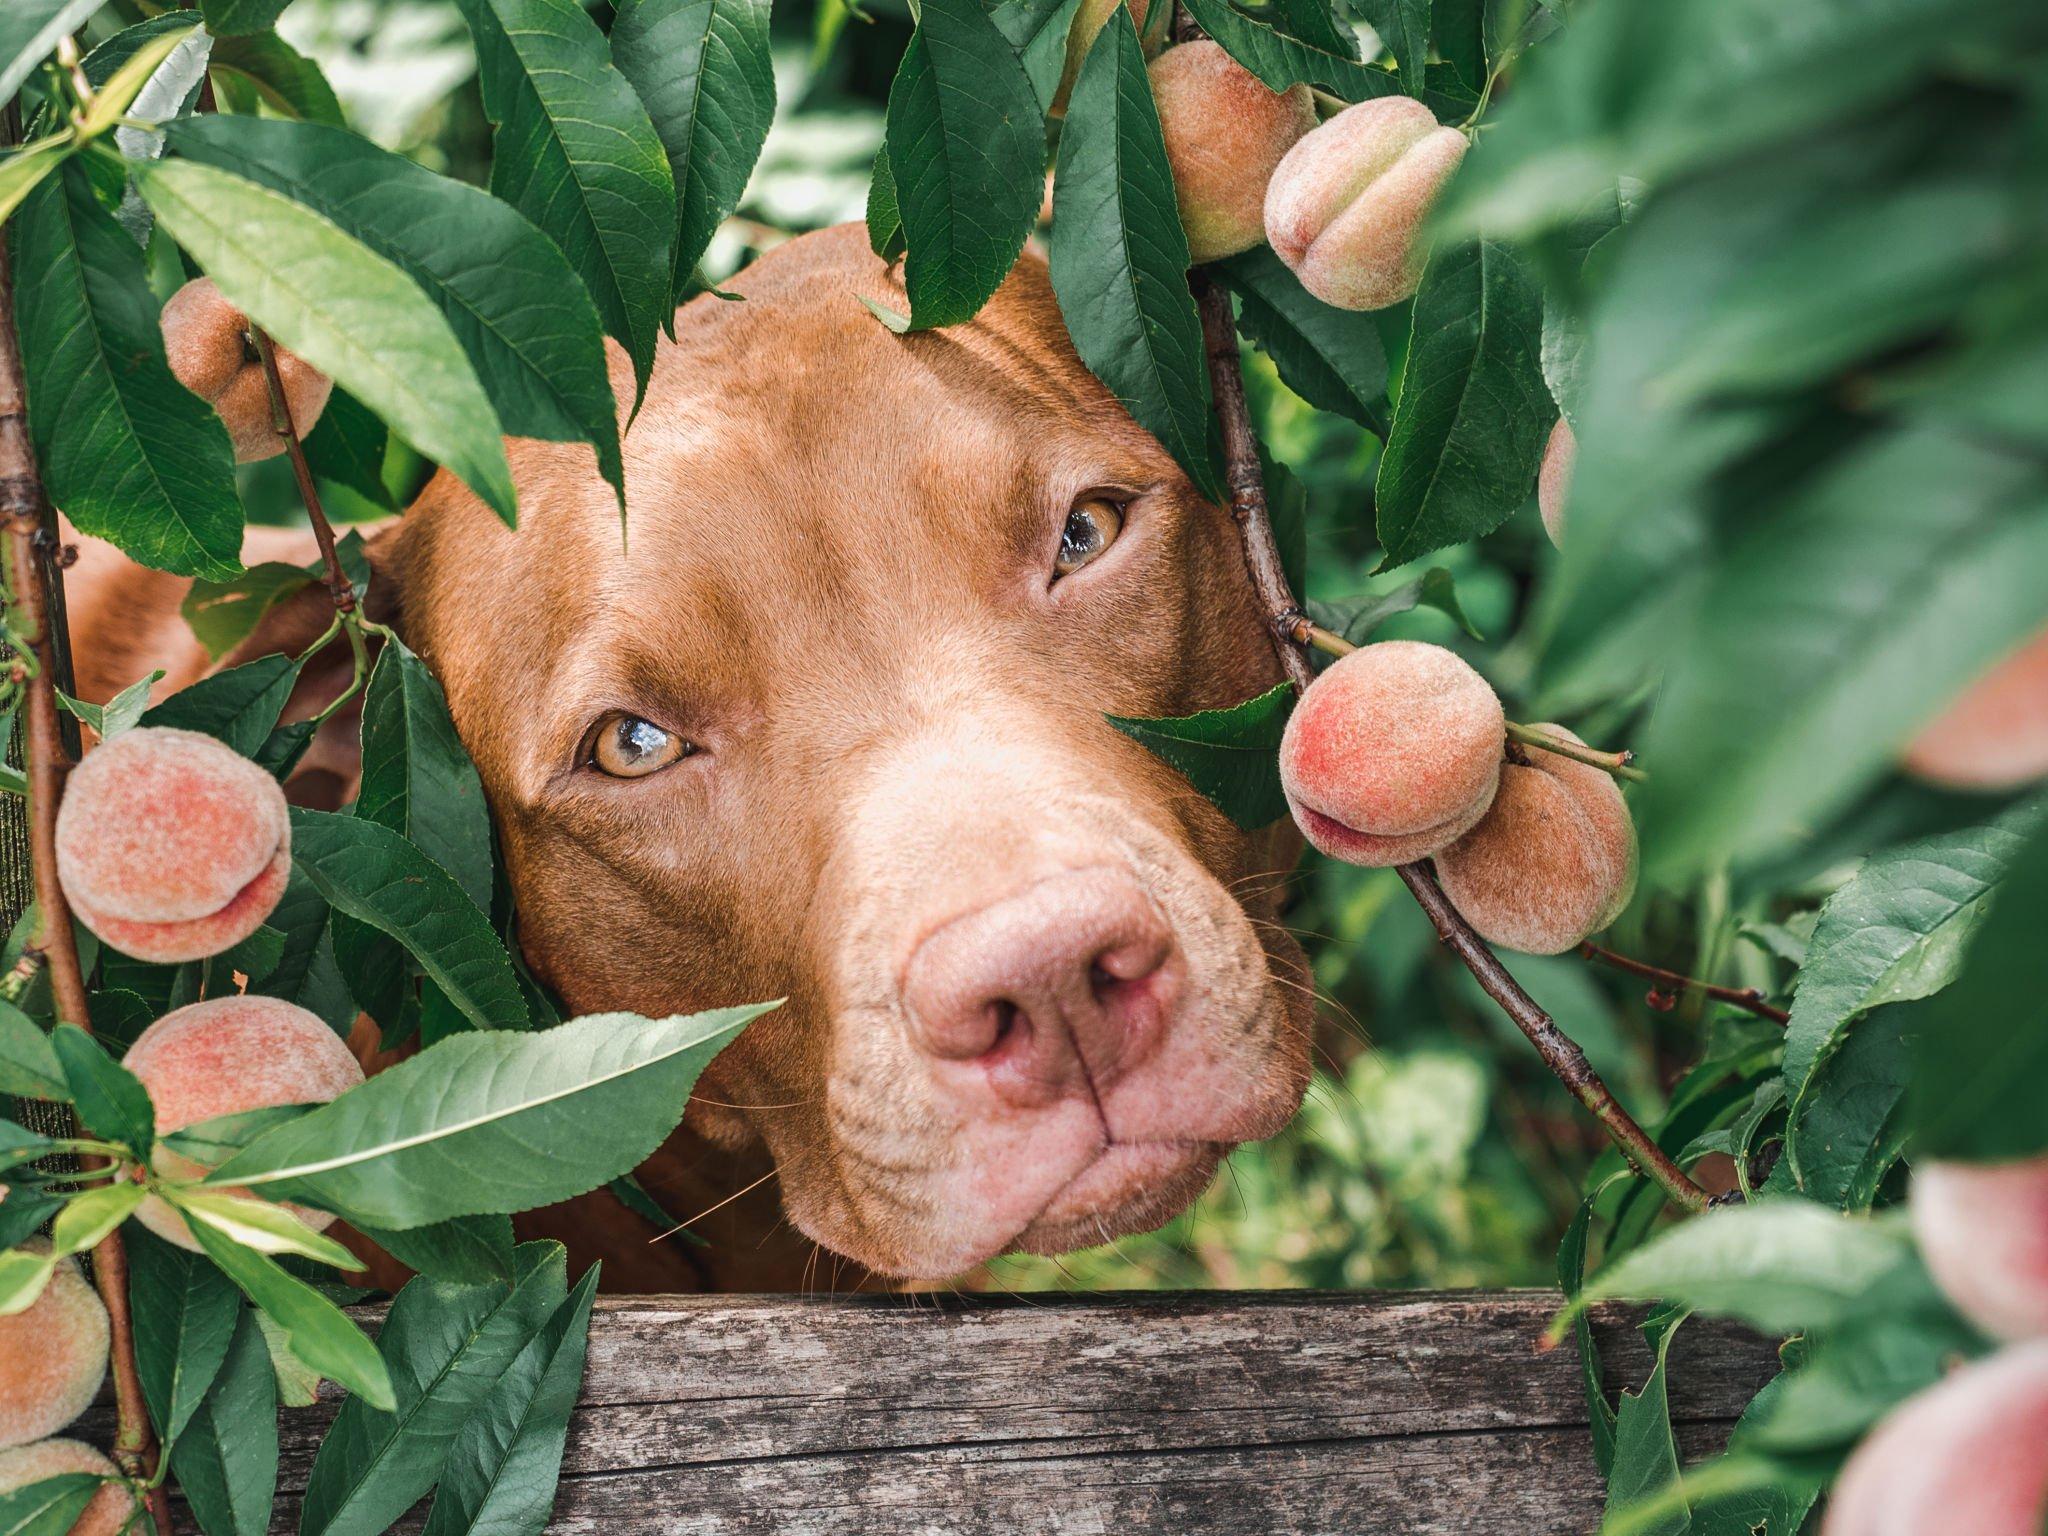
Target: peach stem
1676, 981
1290, 630
34, 592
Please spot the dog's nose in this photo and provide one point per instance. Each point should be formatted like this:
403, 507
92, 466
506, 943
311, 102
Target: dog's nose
1054, 990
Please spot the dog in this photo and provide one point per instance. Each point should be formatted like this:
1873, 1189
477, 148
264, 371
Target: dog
823, 719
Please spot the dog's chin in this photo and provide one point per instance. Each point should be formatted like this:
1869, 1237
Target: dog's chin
1130, 1187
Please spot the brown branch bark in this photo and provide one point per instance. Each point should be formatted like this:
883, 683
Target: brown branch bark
1284, 620
339, 587
1676, 981
35, 591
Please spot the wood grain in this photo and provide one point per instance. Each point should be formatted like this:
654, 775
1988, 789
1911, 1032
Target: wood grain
1218, 1414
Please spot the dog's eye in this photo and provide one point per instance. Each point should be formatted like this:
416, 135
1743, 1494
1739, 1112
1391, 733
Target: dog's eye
628, 747
1090, 529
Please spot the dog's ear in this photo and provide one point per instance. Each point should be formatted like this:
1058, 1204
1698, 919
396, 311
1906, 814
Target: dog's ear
327, 775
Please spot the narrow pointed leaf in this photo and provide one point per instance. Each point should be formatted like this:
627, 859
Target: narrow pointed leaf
112, 1103
702, 69
576, 154
229, 17
184, 1313
239, 706
1332, 358
1230, 755
28, 1062
226, 1461
1120, 257
91, 1215
50, 1507
417, 779
343, 308
260, 1225
30, 31
129, 453
1282, 60
451, 1131
472, 1250
285, 79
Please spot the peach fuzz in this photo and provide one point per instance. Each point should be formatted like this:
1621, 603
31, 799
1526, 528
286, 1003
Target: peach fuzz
1392, 753
1225, 132
111, 1508
1983, 1230
1346, 202
53, 1355
1995, 735
1088, 23
1969, 1456
207, 342
1554, 478
224, 1056
170, 845
1553, 860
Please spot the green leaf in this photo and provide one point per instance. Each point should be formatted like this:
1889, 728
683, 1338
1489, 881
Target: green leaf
348, 447
346, 310
24, 1213
128, 453
449, 1132
375, 876
1281, 60
282, 77
1787, 694
447, 1347
91, 1214
112, 1103
1037, 31
307, 972
702, 69
1571, 1275
23, 1274
238, 706
318, 1332
1782, 1266
184, 1313
501, 1471
1332, 358
28, 1063
884, 220
576, 153
509, 296
222, 614
1474, 412
216, 1140
259, 1225
29, 31
119, 92
225, 18
1645, 1451
417, 779
1981, 1059
1403, 25
119, 713
471, 1250
226, 1461
50, 1507
966, 145
1120, 257
22, 171
1230, 755
1356, 618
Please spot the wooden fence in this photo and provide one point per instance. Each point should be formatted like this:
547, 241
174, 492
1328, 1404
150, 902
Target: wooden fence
1218, 1414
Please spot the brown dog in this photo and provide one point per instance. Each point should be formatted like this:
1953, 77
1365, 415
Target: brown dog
826, 723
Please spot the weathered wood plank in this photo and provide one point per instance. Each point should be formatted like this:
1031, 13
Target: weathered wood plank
1219, 1414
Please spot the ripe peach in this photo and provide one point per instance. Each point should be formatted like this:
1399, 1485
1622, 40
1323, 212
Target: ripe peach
111, 1508
1969, 1454
170, 846
207, 342
1224, 134
1554, 478
1088, 23
1392, 753
1553, 860
224, 1056
1995, 735
1983, 1229
1346, 202
53, 1355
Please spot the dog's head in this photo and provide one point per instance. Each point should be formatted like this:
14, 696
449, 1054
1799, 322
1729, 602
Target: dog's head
824, 721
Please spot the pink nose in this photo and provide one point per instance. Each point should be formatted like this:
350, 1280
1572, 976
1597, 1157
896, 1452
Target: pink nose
1055, 990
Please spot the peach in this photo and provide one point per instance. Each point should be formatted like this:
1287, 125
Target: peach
1995, 735
1346, 202
1088, 23
1968, 1455
225, 1056
1225, 132
1552, 861
207, 342
1983, 1229
1392, 753
53, 1355
1554, 478
171, 846
111, 1508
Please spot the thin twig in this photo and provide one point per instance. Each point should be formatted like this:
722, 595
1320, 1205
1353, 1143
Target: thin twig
1749, 998
1285, 627
339, 587
33, 590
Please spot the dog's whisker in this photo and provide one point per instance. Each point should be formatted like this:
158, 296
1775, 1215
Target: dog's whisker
728, 1200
